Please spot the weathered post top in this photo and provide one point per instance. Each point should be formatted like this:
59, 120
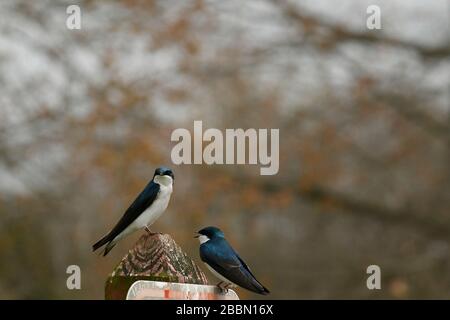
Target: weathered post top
156, 258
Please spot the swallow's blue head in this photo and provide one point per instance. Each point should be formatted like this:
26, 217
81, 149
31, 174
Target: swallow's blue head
164, 177
209, 233
163, 171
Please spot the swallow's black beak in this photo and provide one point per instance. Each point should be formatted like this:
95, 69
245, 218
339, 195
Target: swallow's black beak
168, 173
196, 236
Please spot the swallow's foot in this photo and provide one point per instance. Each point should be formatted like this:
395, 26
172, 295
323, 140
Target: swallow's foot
150, 232
222, 287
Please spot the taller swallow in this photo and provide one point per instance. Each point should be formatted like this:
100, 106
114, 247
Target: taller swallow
225, 263
144, 211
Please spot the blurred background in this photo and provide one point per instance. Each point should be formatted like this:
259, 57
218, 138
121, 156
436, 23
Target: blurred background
86, 116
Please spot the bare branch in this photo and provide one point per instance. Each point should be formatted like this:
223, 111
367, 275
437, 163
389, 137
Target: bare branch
334, 34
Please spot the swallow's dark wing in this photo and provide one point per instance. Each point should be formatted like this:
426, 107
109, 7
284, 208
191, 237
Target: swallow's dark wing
220, 256
139, 205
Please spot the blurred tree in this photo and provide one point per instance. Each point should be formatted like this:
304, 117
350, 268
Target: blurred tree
86, 116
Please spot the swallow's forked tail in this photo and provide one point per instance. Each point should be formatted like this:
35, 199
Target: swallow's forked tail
105, 240
264, 291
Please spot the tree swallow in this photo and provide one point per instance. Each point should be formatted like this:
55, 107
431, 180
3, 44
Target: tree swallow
225, 263
144, 211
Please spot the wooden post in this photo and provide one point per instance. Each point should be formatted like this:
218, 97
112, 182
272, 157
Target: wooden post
154, 257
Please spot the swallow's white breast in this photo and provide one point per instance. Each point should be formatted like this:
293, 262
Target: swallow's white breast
155, 210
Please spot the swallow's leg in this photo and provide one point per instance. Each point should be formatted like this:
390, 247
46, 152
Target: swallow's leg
227, 286
150, 232
222, 287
